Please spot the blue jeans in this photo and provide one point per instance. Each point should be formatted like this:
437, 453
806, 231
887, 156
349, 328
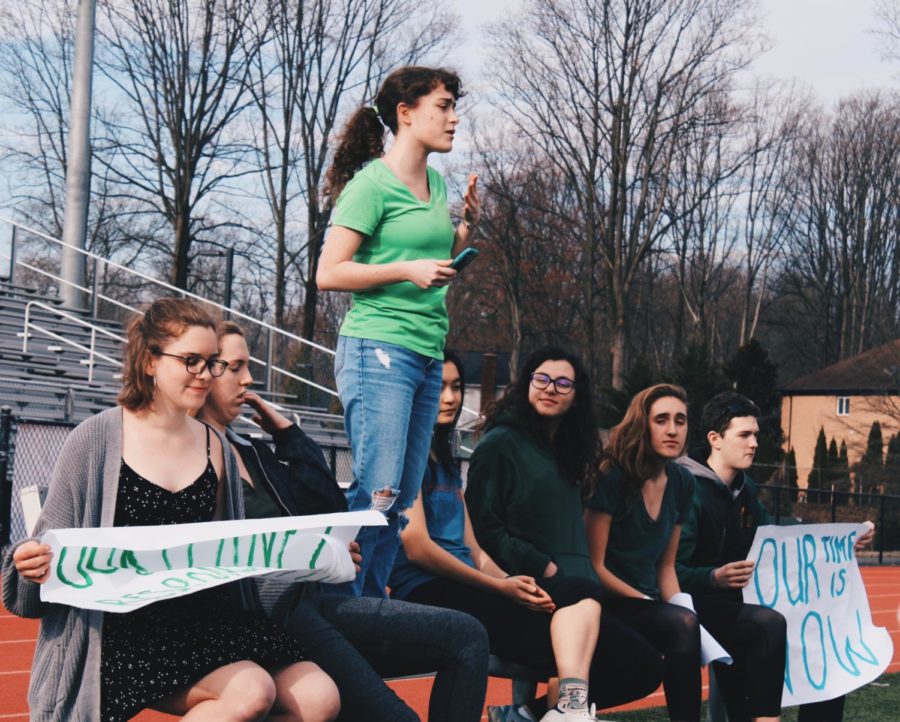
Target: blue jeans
358, 640
391, 397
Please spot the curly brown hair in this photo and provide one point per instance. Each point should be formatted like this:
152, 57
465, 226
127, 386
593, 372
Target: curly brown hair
165, 319
363, 136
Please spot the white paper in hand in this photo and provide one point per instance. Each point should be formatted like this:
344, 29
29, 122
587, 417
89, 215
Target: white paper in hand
710, 649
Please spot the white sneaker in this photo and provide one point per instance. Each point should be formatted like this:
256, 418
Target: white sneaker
510, 713
581, 715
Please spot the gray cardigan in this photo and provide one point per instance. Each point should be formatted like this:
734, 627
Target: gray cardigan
65, 673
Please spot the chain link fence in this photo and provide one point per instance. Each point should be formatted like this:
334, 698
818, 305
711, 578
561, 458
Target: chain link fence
28, 452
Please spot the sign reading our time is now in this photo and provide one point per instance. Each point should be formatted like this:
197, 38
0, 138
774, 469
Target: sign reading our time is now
809, 573
118, 569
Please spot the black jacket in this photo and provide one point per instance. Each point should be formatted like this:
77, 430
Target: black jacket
720, 527
296, 473
300, 480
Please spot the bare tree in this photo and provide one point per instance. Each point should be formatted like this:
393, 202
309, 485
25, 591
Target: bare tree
524, 291
703, 192
36, 67
609, 90
773, 124
181, 67
842, 265
887, 12
321, 54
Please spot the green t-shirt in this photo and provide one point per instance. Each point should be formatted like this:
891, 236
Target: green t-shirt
637, 542
397, 227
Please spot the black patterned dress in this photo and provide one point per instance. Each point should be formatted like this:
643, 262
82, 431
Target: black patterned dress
158, 650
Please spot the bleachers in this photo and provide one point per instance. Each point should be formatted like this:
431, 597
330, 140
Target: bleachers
69, 368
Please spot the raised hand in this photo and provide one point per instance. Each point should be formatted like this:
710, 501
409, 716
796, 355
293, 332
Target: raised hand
471, 202
266, 416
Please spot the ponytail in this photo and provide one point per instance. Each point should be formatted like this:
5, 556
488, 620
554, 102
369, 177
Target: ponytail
363, 136
361, 141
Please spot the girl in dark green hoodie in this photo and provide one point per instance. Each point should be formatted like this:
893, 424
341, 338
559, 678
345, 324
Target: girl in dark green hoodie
524, 500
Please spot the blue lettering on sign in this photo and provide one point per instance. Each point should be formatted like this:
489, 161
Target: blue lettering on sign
839, 588
784, 572
814, 616
759, 563
809, 547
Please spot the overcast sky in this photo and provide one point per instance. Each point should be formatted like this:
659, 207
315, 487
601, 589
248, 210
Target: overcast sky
825, 44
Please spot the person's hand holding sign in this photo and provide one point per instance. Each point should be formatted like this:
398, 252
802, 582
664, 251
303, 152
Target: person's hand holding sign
32, 561
866, 539
734, 575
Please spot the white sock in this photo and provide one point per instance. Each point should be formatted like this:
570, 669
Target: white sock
573, 694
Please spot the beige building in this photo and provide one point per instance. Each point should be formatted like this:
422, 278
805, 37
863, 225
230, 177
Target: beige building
844, 399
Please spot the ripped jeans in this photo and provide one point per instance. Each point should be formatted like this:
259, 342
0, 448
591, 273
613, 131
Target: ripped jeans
391, 397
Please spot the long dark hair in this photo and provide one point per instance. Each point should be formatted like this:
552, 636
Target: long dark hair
629, 445
363, 136
576, 443
441, 444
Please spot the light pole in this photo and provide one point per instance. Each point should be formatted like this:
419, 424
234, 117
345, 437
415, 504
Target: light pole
78, 173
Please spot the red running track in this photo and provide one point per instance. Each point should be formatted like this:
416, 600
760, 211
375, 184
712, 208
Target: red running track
17, 638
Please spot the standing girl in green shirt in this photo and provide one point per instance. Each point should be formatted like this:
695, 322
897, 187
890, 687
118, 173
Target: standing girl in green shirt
390, 244
633, 521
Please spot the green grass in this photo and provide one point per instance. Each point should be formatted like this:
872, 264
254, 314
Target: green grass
877, 702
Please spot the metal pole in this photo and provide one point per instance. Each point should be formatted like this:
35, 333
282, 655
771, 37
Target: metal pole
881, 531
777, 504
95, 302
78, 175
5, 484
25, 329
270, 355
229, 269
12, 255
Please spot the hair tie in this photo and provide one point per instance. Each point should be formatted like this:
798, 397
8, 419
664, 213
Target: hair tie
375, 108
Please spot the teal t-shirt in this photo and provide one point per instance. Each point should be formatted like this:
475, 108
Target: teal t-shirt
445, 519
636, 541
397, 227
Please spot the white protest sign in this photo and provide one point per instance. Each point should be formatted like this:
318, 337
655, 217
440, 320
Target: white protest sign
119, 569
809, 574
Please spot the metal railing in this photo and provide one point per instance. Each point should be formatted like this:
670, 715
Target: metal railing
271, 332
94, 329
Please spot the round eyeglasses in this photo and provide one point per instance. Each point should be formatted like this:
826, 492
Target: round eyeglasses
196, 364
562, 384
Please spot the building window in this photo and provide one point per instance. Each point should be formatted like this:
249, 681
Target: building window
843, 406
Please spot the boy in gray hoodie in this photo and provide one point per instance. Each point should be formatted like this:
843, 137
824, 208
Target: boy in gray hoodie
712, 564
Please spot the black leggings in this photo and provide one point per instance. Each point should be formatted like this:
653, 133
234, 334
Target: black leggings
755, 638
624, 668
675, 632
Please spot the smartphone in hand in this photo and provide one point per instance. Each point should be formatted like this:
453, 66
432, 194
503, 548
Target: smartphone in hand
464, 259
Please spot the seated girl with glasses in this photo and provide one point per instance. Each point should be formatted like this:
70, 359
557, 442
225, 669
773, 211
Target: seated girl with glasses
524, 499
633, 516
148, 462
